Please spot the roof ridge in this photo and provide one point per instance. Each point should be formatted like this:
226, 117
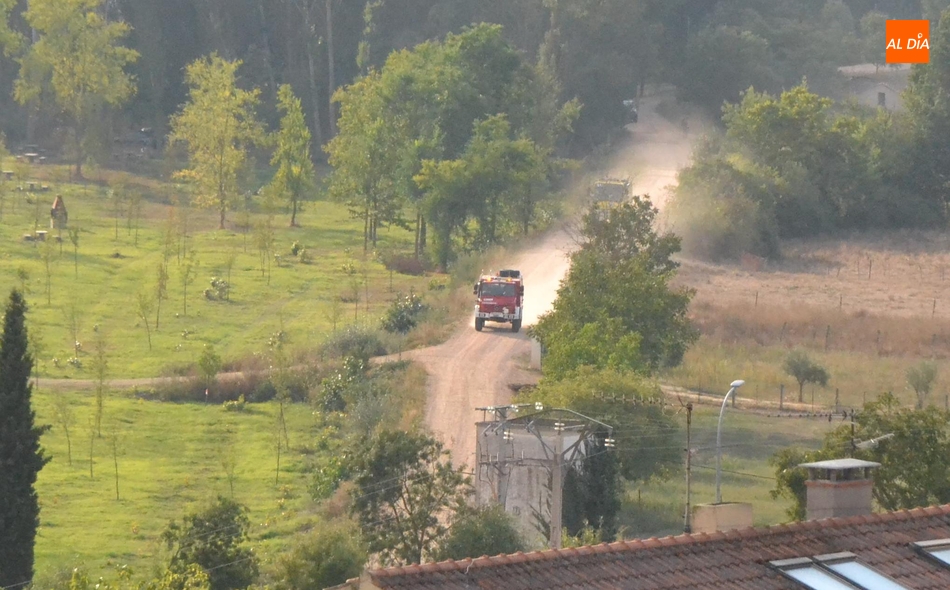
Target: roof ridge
662, 542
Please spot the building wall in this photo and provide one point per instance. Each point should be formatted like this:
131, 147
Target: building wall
517, 475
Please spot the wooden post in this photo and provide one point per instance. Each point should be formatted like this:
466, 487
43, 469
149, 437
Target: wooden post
781, 396
756, 304
870, 262
837, 400
933, 311
840, 300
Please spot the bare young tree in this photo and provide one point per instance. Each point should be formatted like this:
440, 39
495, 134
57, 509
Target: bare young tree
144, 303
64, 417
100, 365
46, 253
114, 442
188, 270
73, 319
161, 290
74, 238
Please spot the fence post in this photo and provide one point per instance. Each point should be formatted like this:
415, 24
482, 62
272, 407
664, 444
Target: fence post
781, 396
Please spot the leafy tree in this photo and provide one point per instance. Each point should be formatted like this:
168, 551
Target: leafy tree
406, 489
327, 556
722, 62
619, 279
486, 530
209, 364
403, 314
921, 378
873, 30
218, 124
294, 176
79, 55
646, 436
214, 539
800, 366
21, 456
915, 461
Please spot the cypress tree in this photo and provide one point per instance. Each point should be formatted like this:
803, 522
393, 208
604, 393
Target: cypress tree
21, 457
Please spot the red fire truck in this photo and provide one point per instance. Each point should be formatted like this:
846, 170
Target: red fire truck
499, 298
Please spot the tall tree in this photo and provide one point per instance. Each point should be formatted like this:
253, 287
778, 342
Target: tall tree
406, 487
214, 539
79, 57
21, 457
218, 124
620, 279
294, 176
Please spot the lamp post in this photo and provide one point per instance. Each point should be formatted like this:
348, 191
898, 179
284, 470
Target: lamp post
732, 389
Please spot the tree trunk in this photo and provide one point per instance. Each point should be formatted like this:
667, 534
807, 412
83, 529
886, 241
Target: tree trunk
330, 70
801, 392
317, 132
221, 222
293, 214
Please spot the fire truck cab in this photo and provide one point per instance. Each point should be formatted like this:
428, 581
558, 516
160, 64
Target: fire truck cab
499, 298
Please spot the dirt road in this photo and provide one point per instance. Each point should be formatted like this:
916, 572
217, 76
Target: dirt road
474, 369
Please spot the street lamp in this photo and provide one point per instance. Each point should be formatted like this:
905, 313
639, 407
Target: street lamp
732, 389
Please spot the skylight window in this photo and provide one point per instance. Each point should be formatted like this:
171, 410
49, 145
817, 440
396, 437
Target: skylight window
939, 550
838, 571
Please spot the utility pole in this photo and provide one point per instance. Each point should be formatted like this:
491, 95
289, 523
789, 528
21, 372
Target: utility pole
853, 445
557, 486
687, 525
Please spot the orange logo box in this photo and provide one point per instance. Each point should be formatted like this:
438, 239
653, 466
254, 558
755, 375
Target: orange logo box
908, 42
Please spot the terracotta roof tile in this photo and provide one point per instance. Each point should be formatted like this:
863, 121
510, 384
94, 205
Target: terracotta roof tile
733, 560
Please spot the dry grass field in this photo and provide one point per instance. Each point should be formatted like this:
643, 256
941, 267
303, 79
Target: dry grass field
865, 307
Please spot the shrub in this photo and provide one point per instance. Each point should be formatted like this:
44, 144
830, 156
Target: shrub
219, 290
235, 405
356, 341
403, 314
406, 265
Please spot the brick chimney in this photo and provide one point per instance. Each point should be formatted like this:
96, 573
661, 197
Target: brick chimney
839, 487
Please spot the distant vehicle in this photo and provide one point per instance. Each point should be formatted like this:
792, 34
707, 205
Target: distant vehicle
608, 193
499, 298
632, 114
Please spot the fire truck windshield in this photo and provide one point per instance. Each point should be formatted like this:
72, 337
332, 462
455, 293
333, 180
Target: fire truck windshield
498, 290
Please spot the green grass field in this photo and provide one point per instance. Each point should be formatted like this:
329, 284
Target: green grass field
301, 298
655, 508
169, 462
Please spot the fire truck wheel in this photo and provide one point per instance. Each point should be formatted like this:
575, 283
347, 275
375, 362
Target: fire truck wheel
479, 324
515, 325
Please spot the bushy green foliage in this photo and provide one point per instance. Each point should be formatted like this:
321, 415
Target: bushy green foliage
800, 366
406, 490
328, 555
793, 166
616, 308
214, 538
646, 434
475, 532
921, 378
356, 341
403, 314
915, 462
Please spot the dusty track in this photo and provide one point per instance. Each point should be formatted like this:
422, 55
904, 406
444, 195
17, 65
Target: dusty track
474, 369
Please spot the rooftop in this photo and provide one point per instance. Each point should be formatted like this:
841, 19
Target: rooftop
735, 560
840, 464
